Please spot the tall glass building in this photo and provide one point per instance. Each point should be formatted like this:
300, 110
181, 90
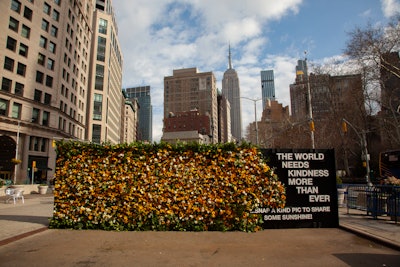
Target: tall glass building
267, 86
145, 112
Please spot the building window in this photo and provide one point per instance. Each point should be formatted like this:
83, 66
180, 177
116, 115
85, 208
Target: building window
54, 31
43, 42
9, 64
39, 77
96, 133
21, 69
46, 8
3, 107
50, 64
44, 142
49, 81
35, 115
41, 59
37, 95
11, 43
23, 50
25, 31
19, 89
45, 119
103, 26
13, 24
37, 143
98, 104
6, 84
52, 47
101, 49
28, 13
33, 143
56, 15
16, 110
16, 6
47, 99
99, 80
58, 2
45, 25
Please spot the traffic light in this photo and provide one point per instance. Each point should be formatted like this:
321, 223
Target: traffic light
344, 126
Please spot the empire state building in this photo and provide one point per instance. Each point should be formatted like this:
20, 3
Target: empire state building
231, 91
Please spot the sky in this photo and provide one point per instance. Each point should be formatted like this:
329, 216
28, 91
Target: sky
158, 36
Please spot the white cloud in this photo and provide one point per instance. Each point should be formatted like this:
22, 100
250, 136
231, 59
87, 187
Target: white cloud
366, 13
243, 29
390, 7
218, 13
157, 37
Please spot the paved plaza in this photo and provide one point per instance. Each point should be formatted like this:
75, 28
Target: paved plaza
25, 240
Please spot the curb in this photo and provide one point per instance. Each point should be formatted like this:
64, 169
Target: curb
377, 239
21, 236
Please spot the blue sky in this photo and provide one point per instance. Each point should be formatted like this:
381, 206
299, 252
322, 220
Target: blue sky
158, 36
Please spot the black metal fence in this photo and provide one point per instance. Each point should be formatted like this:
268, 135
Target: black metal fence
377, 200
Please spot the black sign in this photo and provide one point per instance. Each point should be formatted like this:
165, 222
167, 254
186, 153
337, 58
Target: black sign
309, 177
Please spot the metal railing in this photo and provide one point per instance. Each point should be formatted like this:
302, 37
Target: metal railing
377, 200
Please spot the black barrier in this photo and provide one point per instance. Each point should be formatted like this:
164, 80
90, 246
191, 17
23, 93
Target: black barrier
376, 200
309, 177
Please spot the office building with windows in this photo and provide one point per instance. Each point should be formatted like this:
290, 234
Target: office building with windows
45, 60
129, 121
145, 112
46, 81
224, 120
189, 90
104, 120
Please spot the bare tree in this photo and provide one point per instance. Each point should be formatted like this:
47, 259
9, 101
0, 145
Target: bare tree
375, 49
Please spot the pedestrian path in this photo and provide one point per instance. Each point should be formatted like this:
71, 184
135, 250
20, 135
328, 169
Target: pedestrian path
19, 220
382, 229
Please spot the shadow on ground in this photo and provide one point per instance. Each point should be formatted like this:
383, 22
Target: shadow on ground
30, 219
365, 260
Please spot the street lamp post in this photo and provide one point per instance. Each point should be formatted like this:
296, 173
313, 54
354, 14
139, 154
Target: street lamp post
309, 104
364, 147
16, 155
255, 113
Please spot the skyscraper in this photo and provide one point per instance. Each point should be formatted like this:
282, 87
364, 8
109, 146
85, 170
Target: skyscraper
105, 95
267, 86
231, 91
298, 92
224, 119
145, 114
189, 90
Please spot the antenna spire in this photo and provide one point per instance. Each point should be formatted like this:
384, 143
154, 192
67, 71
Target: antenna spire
230, 57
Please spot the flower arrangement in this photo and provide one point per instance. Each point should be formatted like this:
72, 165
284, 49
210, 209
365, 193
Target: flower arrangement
162, 187
391, 180
16, 161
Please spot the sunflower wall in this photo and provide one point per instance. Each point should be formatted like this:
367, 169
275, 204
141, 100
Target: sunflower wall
162, 187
